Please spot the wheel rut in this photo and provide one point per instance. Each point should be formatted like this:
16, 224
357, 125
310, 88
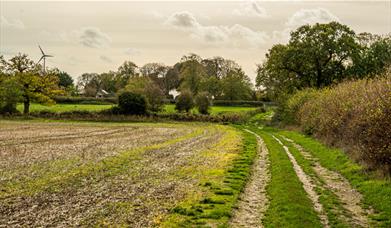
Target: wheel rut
336, 183
253, 202
308, 185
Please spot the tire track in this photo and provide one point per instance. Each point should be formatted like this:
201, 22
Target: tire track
336, 183
308, 185
253, 202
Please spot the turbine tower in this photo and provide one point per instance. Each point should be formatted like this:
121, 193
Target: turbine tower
44, 56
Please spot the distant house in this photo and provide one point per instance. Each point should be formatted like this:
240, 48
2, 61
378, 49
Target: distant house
102, 93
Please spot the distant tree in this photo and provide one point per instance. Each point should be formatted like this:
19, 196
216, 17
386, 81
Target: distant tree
148, 88
64, 79
202, 102
184, 101
213, 86
218, 66
26, 80
155, 97
89, 83
236, 86
191, 74
126, 71
171, 79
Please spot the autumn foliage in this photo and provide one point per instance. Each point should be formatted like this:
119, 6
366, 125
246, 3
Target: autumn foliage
355, 115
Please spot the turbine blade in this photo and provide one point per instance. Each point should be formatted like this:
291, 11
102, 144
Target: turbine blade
41, 59
49, 56
43, 53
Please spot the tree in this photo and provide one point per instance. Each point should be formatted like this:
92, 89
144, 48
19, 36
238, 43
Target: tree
191, 74
203, 103
33, 86
148, 88
89, 82
236, 86
126, 71
171, 79
64, 79
316, 56
184, 101
374, 56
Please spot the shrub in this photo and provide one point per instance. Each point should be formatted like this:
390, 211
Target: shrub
184, 101
202, 103
355, 115
155, 97
287, 111
132, 103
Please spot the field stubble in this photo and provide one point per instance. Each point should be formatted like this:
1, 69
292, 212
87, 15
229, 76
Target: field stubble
86, 173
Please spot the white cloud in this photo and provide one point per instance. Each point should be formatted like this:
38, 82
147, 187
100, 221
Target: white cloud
132, 51
105, 59
92, 37
235, 35
251, 9
14, 24
311, 16
183, 19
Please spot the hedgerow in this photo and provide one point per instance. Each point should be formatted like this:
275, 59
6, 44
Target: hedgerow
355, 115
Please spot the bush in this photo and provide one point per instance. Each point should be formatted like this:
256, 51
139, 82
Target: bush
202, 103
132, 103
184, 101
354, 115
155, 97
287, 111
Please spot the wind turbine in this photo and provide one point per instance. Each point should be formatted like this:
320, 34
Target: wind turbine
44, 56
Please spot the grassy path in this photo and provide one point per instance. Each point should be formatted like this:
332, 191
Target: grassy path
253, 201
315, 186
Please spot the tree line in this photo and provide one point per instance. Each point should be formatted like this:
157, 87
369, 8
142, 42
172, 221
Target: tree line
222, 78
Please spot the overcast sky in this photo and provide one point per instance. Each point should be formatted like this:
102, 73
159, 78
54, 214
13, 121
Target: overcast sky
99, 36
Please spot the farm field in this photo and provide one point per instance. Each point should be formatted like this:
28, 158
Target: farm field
67, 174
215, 110
180, 174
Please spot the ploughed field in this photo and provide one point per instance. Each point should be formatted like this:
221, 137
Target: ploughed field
69, 174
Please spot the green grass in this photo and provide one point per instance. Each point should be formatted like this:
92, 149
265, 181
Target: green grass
65, 107
376, 192
215, 110
289, 203
220, 190
332, 206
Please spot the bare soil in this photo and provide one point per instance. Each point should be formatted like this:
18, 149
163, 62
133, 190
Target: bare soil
139, 196
308, 185
350, 197
253, 201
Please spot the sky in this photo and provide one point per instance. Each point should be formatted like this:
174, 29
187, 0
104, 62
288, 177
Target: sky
98, 36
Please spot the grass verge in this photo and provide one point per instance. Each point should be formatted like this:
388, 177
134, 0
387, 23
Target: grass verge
376, 193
